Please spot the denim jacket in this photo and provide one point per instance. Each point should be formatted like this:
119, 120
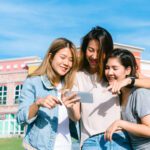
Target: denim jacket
41, 130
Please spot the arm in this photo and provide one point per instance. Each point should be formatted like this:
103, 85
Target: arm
26, 99
73, 106
140, 104
28, 106
142, 130
142, 82
116, 86
72, 102
74, 112
48, 102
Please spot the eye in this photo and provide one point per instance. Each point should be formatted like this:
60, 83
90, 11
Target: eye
62, 56
90, 49
115, 68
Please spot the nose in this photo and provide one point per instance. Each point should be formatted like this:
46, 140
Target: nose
66, 62
110, 71
95, 55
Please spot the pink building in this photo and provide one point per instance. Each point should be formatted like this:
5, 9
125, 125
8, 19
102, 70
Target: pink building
13, 72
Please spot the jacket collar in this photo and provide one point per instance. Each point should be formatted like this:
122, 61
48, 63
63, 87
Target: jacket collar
46, 82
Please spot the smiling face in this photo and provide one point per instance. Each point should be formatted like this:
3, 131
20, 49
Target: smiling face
62, 61
92, 55
114, 70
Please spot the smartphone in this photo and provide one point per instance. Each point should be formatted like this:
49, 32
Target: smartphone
85, 97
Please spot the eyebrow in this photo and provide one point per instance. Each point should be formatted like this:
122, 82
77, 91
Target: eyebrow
90, 47
66, 55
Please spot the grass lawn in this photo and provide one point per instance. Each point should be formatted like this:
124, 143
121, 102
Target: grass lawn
11, 144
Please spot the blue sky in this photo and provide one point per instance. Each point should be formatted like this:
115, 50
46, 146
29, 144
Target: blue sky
27, 27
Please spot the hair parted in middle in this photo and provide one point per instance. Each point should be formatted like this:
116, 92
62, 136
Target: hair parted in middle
106, 46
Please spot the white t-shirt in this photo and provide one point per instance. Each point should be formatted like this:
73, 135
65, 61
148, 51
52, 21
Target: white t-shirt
96, 117
63, 137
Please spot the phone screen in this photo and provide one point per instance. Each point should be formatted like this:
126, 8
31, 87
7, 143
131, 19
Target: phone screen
85, 97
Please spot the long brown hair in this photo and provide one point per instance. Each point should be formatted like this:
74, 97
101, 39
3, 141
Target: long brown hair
106, 46
46, 67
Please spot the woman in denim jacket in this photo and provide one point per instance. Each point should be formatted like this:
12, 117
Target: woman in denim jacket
41, 108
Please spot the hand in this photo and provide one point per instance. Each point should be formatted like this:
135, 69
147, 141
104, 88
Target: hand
70, 99
115, 86
48, 102
111, 129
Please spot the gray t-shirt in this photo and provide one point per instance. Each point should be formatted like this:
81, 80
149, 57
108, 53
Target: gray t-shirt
137, 107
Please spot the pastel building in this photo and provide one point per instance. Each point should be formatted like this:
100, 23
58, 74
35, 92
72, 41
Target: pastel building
145, 67
13, 72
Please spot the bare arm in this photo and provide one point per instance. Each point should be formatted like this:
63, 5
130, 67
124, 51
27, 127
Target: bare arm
116, 86
142, 129
74, 112
142, 82
73, 106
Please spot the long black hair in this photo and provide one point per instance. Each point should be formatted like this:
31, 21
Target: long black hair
106, 46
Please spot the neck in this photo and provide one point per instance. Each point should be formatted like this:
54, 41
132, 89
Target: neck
91, 70
57, 80
125, 94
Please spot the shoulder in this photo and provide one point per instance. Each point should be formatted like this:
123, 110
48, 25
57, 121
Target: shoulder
80, 73
32, 82
141, 92
33, 79
140, 95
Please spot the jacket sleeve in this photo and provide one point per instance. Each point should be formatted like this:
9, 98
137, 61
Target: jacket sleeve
27, 97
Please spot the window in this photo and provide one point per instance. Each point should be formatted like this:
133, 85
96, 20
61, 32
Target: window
2, 116
17, 93
3, 95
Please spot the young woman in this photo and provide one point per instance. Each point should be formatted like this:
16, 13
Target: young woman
105, 109
40, 105
135, 102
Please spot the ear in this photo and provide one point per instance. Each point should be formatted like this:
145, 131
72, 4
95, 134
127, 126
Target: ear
128, 71
50, 57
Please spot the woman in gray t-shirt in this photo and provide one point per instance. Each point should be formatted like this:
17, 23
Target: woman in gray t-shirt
135, 102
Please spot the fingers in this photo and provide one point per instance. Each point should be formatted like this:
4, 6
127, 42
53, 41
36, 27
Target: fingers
108, 135
71, 102
49, 102
70, 99
114, 87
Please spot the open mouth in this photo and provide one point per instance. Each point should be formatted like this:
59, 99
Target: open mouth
93, 62
64, 69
